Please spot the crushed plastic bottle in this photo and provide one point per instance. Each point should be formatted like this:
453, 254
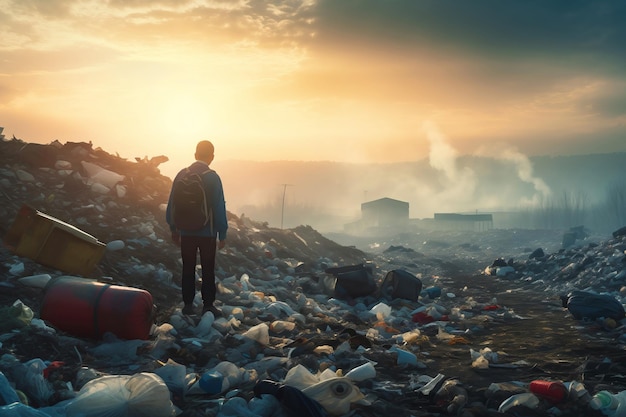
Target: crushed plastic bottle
609, 404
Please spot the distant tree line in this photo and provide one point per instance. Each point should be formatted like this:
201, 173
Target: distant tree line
572, 209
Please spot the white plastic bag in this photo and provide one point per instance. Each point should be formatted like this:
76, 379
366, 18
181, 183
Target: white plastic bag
140, 395
260, 333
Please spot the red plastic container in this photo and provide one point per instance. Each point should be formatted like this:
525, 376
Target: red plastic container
88, 308
554, 391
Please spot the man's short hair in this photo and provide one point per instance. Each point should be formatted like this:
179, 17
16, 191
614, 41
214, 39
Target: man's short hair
204, 148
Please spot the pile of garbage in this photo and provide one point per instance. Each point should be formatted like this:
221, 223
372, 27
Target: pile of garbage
597, 266
309, 327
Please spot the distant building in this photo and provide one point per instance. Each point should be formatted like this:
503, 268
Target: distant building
382, 214
385, 212
388, 215
455, 221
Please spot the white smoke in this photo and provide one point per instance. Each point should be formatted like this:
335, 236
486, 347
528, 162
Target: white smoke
442, 156
459, 184
523, 169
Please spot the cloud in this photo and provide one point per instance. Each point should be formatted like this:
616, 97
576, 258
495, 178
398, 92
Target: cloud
578, 29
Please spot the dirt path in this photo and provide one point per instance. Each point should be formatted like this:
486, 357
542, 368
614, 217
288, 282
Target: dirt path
545, 340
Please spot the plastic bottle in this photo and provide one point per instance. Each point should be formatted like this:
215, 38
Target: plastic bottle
433, 292
609, 404
211, 382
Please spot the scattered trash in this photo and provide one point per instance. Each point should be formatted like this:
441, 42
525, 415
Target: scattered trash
288, 343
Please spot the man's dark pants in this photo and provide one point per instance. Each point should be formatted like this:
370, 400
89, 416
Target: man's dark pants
189, 247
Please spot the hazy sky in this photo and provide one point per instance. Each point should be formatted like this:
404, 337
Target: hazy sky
336, 80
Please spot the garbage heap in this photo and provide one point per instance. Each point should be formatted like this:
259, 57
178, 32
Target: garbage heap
308, 327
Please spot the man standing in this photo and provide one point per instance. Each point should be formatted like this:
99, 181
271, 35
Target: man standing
204, 236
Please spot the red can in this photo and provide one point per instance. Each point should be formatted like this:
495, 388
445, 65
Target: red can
554, 391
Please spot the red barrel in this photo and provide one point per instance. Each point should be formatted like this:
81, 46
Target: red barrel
88, 308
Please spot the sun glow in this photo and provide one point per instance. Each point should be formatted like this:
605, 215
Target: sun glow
184, 115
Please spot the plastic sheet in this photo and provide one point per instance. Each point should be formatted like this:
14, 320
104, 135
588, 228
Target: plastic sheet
101, 175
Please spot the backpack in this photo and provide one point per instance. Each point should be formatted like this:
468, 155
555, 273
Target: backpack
189, 202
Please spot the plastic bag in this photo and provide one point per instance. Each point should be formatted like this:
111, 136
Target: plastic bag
295, 403
399, 283
587, 305
7, 393
173, 374
353, 281
20, 410
28, 377
15, 317
140, 395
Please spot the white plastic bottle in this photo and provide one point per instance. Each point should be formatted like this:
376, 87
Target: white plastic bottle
609, 404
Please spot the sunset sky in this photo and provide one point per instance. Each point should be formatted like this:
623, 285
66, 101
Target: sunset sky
331, 80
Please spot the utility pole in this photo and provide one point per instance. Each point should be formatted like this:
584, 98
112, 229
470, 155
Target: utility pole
282, 211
